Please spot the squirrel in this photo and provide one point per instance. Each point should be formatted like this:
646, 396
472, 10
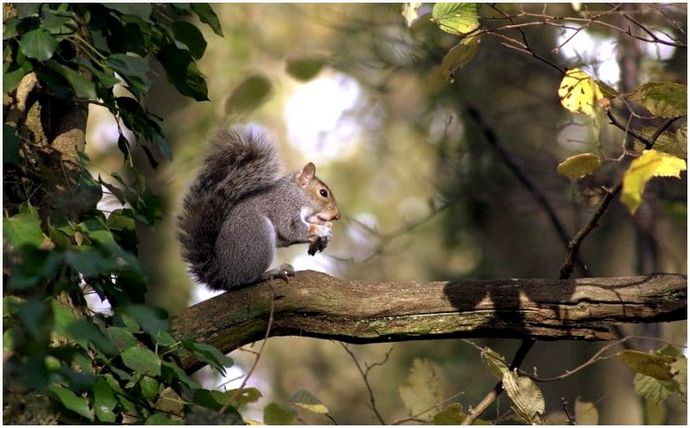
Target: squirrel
240, 208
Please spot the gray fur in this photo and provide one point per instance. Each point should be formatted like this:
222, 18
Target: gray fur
238, 209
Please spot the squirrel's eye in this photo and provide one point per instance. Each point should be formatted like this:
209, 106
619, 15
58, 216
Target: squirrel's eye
323, 192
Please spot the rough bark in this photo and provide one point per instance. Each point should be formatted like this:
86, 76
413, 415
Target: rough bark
317, 305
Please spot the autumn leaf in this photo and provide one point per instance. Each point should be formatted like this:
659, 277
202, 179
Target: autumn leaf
650, 164
579, 92
579, 166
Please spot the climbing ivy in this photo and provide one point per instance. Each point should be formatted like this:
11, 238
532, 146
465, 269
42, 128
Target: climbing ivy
123, 366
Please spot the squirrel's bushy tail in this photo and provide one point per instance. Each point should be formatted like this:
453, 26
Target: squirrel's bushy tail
242, 161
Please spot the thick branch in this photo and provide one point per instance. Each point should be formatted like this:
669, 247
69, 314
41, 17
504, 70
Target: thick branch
317, 305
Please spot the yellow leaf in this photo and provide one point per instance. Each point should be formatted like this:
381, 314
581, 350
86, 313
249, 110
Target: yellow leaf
579, 166
586, 413
579, 92
650, 164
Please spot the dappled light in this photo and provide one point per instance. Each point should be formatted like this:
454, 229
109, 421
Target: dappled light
484, 205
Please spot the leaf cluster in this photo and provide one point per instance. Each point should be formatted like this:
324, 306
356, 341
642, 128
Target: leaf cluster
119, 369
83, 52
659, 374
122, 366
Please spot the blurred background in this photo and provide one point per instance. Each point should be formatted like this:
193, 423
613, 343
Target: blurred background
423, 195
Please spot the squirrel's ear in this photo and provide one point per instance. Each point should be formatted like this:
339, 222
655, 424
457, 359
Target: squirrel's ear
307, 174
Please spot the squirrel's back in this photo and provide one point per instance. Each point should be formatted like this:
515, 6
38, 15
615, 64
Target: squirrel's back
242, 161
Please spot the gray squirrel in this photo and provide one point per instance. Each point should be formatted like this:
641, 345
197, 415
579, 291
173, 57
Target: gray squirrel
240, 208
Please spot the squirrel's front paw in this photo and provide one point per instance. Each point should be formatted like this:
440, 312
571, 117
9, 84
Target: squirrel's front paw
321, 231
320, 237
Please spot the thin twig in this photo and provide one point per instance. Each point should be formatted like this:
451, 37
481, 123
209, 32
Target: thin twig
414, 417
571, 421
258, 356
525, 43
385, 239
647, 141
574, 245
527, 182
365, 378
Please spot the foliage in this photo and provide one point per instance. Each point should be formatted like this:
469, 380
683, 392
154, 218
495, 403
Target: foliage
651, 163
124, 367
658, 374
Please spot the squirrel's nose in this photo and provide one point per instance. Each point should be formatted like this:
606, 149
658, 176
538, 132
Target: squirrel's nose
337, 214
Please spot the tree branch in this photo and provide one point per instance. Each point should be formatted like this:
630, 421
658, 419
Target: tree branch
317, 305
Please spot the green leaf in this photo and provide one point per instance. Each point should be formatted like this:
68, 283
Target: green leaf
23, 228
207, 16
152, 320
26, 9
653, 389
665, 99
248, 95
422, 389
38, 44
68, 399
104, 400
163, 338
673, 143
309, 401
495, 361
83, 87
36, 265
526, 395
83, 330
12, 78
654, 365
305, 68
191, 36
161, 419
127, 321
650, 164
172, 372
456, 18
142, 10
149, 387
90, 262
62, 316
451, 415
183, 72
586, 413
121, 337
170, 402
33, 313
209, 355
275, 414
579, 166
458, 56
134, 69
59, 23
142, 360
245, 396
10, 145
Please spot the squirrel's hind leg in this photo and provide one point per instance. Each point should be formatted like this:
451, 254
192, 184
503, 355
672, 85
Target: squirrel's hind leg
283, 272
